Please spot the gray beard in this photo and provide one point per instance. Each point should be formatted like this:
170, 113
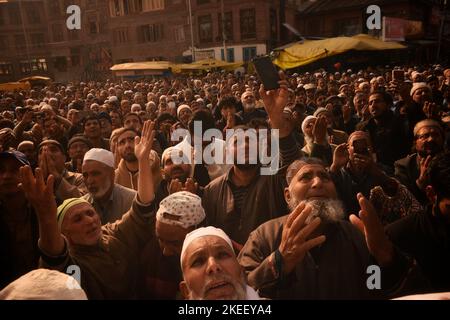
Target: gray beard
239, 286
330, 210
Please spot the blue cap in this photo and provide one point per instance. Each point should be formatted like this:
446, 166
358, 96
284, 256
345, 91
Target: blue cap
19, 156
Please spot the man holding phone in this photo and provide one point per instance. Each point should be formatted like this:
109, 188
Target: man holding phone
355, 170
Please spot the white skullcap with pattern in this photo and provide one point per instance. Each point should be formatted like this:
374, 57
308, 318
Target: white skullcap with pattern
182, 209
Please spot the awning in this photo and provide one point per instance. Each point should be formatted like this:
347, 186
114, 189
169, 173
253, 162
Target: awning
312, 50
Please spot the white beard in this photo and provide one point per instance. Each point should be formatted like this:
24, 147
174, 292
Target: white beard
329, 210
239, 286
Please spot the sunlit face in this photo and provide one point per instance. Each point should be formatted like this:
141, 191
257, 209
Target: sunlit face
77, 150
377, 105
133, 122
211, 271
312, 182
98, 178
125, 146
82, 225
421, 95
429, 141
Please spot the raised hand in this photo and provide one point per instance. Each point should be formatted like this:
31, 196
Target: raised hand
380, 247
430, 109
274, 103
340, 157
320, 130
38, 192
423, 177
175, 186
295, 242
144, 144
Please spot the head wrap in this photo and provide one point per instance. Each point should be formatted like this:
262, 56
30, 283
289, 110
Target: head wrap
65, 206
43, 284
185, 208
101, 155
419, 85
203, 232
426, 123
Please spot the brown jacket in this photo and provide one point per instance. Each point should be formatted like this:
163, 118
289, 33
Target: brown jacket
124, 177
108, 270
263, 201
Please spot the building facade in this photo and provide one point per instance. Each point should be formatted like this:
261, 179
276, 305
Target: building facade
35, 39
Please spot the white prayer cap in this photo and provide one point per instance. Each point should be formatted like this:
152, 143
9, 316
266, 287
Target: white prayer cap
174, 152
419, 85
113, 99
182, 209
181, 108
43, 284
204, 232
100, 155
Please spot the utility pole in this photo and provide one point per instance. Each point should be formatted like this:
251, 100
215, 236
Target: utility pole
224, 34
192, 31
441, 30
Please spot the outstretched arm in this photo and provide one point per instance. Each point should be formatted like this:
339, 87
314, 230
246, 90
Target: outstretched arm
146, 192
40, 195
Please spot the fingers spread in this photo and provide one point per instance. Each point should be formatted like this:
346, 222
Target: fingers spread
294, 214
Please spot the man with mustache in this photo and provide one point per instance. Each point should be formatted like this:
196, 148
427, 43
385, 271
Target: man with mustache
127, 172
72, 234
412, 170
210, 268
312, 253
109, 199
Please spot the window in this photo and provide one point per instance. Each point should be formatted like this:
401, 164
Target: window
75, 56
58, 33
179, 34
248, 24
93, 27
228, 26
2, 17
230, 55
205, 28
33, 14
150, 33
273, 24
27, 66
73, 34
60, 64
38, 40
152, 5
248, 53
4, 44
120, 35
5, 68
14, 13
53, 7
19, 40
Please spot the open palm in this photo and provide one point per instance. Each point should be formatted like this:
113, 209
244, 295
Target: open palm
144, 144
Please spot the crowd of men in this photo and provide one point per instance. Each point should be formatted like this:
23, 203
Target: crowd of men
89, 179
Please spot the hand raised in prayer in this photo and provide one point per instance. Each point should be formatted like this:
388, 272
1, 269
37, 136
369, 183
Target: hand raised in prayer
189, 186
340, 157
274, 103
295, 239
38, 192
144, 144
423, 177
380, 247
320, 130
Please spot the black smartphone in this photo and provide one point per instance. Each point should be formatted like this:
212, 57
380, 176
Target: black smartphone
267, 72
360, 147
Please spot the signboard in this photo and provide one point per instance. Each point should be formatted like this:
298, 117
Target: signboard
203, 55
393, 29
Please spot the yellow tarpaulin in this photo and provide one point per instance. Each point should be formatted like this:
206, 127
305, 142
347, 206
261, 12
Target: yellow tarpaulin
209, 64
35, 78
313, 50
146, 65
11, 86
